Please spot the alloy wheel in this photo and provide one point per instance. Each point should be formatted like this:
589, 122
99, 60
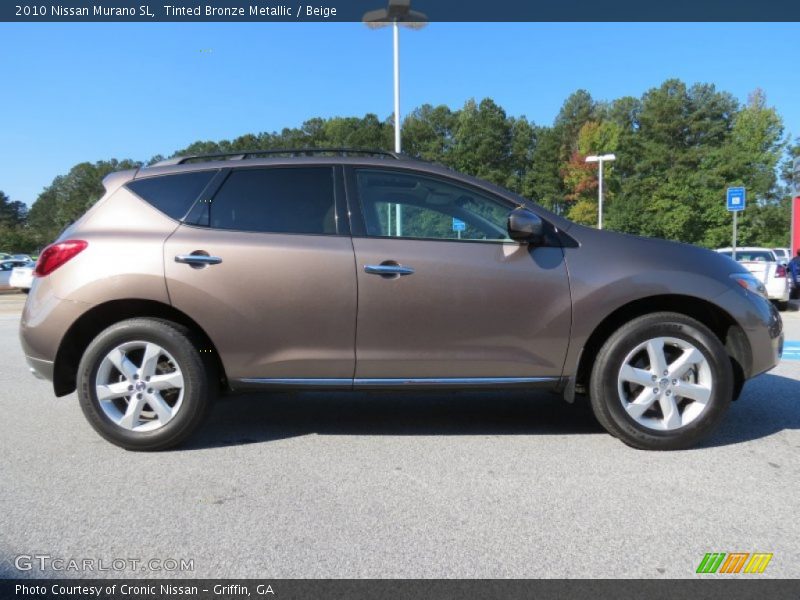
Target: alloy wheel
139, 386
665, 383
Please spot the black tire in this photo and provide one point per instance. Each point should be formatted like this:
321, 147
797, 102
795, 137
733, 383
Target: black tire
604, 392
199, 383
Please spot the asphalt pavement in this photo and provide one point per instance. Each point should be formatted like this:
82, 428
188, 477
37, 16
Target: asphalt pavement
393, 485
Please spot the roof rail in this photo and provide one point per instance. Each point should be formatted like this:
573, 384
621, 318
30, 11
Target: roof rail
179, 160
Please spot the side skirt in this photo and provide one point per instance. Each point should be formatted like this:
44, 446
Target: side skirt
397, 383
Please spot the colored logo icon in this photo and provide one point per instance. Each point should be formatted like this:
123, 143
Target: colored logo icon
734, 562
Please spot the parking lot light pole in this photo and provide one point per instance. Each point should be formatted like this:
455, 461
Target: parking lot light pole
600, 159
398, 13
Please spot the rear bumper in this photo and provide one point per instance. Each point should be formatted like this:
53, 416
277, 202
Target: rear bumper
779, 295
45, 321
21, 282
41, 369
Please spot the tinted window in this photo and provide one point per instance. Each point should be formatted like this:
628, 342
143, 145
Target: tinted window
415, 206
172, 194
295, 200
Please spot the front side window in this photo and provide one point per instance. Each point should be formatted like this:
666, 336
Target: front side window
276, 200
415, 206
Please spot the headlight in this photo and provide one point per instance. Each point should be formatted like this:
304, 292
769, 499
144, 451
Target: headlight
750, 283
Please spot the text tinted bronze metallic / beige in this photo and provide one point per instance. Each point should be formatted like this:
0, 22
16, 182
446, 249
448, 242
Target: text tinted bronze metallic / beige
369, 270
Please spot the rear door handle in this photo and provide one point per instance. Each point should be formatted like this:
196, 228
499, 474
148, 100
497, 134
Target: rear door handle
197, 260
388, 270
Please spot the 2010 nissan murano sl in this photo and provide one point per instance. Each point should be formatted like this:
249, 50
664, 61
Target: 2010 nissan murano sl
369, 270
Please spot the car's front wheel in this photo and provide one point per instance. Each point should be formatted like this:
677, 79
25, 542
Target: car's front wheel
143, 385
661, 382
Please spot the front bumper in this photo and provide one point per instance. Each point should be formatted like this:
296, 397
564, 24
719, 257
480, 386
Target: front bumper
766, 343
762, 326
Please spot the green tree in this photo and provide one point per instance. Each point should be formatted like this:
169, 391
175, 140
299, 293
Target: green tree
482, 141
542, 181
669, 178
12, 214
428, 133
678, 147
14, 236
69, 196
750, 157
578, 109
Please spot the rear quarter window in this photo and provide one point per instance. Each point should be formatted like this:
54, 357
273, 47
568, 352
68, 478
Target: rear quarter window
173, 195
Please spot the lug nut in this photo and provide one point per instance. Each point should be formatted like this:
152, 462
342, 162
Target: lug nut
655, 378
136, 376
130, 388
666, 372
655, 390
669, 393
149, 390
674, 382
139, 396
147, 378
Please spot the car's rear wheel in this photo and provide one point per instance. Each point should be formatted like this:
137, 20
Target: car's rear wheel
143, 385
661, 382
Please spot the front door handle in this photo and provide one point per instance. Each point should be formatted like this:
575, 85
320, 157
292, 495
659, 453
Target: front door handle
196, 259
388, 270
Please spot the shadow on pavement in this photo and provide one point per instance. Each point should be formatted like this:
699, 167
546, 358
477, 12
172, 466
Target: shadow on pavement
257, 418
768, 405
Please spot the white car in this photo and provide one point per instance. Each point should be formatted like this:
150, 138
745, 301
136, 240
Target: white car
6, 268
765, 265
784, 255
22, 277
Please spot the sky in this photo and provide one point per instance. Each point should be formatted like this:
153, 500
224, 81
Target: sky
92, 91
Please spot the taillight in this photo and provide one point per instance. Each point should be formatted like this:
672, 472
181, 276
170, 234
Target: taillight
780, 271
56, 255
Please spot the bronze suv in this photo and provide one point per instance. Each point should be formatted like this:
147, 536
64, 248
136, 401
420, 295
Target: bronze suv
348, 269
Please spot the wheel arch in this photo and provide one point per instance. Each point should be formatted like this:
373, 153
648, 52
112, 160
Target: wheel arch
722, 324
99, 317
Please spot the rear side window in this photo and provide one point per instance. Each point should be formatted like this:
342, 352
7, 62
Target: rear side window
173, 195
752, 255
276, 200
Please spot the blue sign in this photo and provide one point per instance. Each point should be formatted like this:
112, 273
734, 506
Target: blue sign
459, 225
736, 198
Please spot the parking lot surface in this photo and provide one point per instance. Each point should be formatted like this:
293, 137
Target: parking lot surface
396, 485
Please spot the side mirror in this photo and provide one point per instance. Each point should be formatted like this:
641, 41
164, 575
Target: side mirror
525, 225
